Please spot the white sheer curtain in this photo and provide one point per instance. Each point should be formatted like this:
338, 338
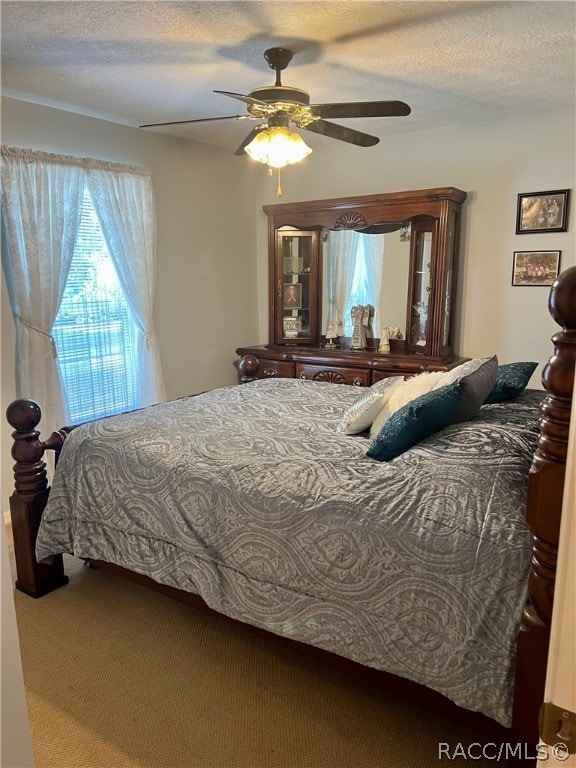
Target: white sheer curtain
374, 259
124, 204
342, 247
41, 206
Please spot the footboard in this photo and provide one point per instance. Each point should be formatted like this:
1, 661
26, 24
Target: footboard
30, 496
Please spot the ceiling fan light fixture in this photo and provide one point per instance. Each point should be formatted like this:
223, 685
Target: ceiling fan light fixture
277, 146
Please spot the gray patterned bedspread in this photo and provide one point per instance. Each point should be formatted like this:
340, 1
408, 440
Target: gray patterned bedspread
249, 497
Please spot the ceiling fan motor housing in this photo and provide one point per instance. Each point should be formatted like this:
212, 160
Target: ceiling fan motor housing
281, 94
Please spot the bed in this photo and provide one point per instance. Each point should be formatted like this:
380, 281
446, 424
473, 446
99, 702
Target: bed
435, 567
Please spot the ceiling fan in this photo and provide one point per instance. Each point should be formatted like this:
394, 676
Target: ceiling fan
279, 105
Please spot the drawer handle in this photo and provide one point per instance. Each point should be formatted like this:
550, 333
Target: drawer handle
303, 375
270, 371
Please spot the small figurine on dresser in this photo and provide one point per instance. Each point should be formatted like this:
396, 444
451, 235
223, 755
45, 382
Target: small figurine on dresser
358, 314
384, 347
387, 333
368, 319
330, 336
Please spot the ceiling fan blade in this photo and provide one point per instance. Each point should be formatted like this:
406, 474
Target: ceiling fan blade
361, 109
199, 120
240, 151
341, 133
241, 97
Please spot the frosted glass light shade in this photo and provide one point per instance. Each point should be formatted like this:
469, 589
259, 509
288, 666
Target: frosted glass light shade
277, 146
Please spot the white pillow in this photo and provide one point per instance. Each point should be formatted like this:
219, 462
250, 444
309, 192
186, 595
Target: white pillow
402, 393
360, 415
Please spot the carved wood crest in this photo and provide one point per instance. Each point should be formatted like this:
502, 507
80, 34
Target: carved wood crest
351, 220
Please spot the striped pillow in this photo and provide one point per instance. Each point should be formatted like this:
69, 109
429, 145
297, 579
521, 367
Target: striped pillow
360, 415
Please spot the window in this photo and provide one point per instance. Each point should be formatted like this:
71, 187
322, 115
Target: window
362, 290
95, 334
109, 358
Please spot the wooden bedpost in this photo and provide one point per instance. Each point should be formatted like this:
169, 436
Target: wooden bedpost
544, 511
29, 498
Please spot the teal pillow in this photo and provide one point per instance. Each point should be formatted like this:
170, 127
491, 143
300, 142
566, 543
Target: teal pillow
511, 380
416, 420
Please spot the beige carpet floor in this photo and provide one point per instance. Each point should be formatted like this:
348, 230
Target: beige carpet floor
119, 677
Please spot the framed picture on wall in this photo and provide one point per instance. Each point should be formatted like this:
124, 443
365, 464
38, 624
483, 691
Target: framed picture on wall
542, 212
535, 267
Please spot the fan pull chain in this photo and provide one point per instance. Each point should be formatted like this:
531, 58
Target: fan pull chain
279, 187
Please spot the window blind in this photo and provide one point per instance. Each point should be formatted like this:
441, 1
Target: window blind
94, 332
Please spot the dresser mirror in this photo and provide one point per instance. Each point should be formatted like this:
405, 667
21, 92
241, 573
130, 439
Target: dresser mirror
408, 245
380, 263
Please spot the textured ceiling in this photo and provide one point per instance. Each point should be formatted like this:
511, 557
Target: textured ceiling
141, 62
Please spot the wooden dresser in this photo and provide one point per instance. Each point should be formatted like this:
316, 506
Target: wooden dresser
339, 366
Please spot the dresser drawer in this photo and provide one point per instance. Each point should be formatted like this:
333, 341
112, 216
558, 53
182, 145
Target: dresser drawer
379, 375
276, 369
354, 376
409, 367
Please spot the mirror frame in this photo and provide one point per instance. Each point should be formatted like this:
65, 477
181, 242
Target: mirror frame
442, 204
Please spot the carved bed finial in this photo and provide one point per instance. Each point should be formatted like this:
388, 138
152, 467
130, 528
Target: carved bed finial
27, 450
